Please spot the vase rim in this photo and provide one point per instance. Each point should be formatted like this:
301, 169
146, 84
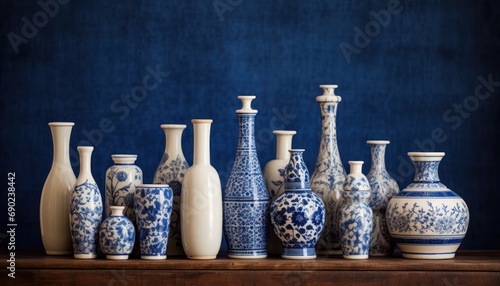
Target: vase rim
426, 156
378, 142
61, 123
173, 126
284, 132
85, 147
296, 150
154, 186
356, 162
123, 156
202, 121
246, 101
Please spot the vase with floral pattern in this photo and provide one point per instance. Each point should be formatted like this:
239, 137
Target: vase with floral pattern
329, 174
297, 215
355, 215
246, 201
85, 210
171, 171
426, 219
383, 188
117, 235
274, 177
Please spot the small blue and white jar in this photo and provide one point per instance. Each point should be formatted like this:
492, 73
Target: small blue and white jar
355, 215
153, 208
117, 235
426, 219
298, 215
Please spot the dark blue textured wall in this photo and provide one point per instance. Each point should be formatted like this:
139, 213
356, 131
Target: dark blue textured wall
414, 73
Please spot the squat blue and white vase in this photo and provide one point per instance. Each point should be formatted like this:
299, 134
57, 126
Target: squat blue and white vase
85, 211
426, 219
153, 207
355, 215
329, 174
297, 215
117, 235
246, 201
383, 188
171, 171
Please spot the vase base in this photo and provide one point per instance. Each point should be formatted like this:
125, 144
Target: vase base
153, 257
202, 257
428, 255
365, 256
117, 257
86, 256
299, 253
59, 252
247, 256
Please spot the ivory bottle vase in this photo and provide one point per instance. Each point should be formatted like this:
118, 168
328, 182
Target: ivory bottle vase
201, 202
54, 201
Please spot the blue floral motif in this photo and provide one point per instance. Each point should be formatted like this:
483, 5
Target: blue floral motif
246, 201
329, 173
117, 236
153, 207
85, 217
356, 223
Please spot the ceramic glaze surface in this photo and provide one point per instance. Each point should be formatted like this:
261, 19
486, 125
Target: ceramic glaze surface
246, 200
329, 174
383, 188
427, 220
297, 215
171, 171
85, 209
54, 200
355, 215
153, 207
117, 235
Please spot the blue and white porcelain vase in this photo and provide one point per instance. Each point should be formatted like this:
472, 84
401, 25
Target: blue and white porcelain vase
153, 207
85, 210
117, 235
246, 200
329, 174
274, 177
201, 204
297, 215
355, 215
171, 171
426, 219
383, 188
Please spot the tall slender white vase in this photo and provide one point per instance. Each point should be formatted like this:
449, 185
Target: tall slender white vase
54, 201
201, 201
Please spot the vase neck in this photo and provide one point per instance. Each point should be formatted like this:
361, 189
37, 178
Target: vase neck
61, 133
117, 210
201, 154
173, 138
378, 157
329, 127
283, 144
426, 172
246, 125
85, 156
297, 175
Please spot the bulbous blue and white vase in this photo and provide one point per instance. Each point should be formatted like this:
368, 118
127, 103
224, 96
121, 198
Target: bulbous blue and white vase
171, 171
329, 174
383, 188
246, 201
426, 219
274, 177
355, 215
85, 210
153, 207
297, 215
117, 235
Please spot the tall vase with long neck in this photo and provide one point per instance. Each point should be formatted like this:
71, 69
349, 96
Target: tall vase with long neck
54, 201
383, 188
201, 204
274, 177
329, 174
171, 171
85, 210
246, 200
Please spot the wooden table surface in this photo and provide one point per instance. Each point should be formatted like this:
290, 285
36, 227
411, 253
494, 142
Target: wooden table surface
467, 268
